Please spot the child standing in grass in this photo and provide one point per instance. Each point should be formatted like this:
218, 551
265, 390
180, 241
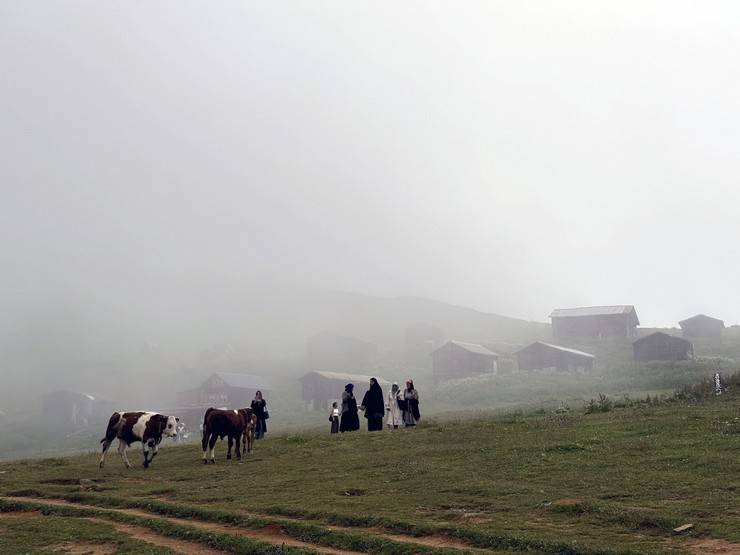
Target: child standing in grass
334, 418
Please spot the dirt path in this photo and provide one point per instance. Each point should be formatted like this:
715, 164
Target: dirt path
442, 542
146, 535
714, 547
140, 533
274, 534
269, 534
438, 541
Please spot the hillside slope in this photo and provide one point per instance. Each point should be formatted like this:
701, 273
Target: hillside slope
614, 482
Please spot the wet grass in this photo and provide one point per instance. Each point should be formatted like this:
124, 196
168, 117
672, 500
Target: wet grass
615, 482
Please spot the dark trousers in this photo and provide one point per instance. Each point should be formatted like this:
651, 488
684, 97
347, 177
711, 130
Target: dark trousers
261, 429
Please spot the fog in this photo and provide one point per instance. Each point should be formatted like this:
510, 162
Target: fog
509, 157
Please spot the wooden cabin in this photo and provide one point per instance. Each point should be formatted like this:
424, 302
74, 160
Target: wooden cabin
225, 389
662, 346
547, 357
457, 359
702, 325
75, 408
594, 322
321, 389
335, 352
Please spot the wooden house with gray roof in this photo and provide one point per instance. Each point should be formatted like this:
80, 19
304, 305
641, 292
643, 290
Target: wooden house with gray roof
543, 356
702, 325
458, 359
321, 388
594, 322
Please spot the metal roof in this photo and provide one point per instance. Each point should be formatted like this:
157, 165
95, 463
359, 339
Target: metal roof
474, 348
559, 348
592, 311
700, 317
349, 378
662, 334
244, 381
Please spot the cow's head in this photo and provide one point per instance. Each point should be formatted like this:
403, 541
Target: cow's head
170, 426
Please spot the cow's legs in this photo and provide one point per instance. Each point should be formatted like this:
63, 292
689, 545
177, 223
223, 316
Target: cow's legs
231, 445
238, 447
148, 447
106, 446
155, 450
212, 447
249, 439
122, 451
204, 444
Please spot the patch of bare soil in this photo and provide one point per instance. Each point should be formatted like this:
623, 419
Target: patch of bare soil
269, 534
713, 547
275, 535
20, 514
445, 542
567, 502
83, 548
146, 535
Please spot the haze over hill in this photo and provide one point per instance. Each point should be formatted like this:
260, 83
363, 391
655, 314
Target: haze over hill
88, 340
186, 189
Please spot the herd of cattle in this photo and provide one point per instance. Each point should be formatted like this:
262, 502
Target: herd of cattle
150, 427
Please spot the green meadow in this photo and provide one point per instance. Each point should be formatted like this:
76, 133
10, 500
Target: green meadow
616, 477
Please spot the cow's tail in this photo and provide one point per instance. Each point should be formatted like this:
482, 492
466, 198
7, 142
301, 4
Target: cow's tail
205, 418
206, 426
113, 425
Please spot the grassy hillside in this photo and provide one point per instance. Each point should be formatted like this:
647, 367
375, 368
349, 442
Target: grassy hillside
556, 482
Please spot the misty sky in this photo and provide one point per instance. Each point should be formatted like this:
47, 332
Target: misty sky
509, 156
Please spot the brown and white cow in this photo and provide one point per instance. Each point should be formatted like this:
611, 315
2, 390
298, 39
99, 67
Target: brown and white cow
238, 425
130, 427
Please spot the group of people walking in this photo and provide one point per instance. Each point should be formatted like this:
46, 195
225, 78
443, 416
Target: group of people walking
399, 407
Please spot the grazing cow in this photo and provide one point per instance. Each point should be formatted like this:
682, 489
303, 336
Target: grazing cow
238, 425
130, 427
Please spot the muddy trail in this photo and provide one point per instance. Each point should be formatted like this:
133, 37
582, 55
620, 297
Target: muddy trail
140, 533
273, 533
435, 541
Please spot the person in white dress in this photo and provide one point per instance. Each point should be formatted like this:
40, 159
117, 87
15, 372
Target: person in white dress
393, 417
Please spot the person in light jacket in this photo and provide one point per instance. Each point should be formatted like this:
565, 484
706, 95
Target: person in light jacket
393, 419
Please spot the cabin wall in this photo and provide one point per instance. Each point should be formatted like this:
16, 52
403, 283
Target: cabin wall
453, 362
702, 329
616, 325
662, 348
542, 358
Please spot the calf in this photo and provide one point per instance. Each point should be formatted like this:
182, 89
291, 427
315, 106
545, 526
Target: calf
238, 425
130, 427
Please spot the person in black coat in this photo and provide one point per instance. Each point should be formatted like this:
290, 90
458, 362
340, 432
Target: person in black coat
350, 420
374, 406
259, 406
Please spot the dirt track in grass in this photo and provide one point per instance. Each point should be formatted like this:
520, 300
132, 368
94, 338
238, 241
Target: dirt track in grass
269, 534
274, 534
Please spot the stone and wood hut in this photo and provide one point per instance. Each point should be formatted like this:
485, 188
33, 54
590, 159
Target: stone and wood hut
662, 346
457, 359
594, 322
547, 357
702, 325
225, 389
321, 388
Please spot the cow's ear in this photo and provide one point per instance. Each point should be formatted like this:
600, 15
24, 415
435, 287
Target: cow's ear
177, 419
